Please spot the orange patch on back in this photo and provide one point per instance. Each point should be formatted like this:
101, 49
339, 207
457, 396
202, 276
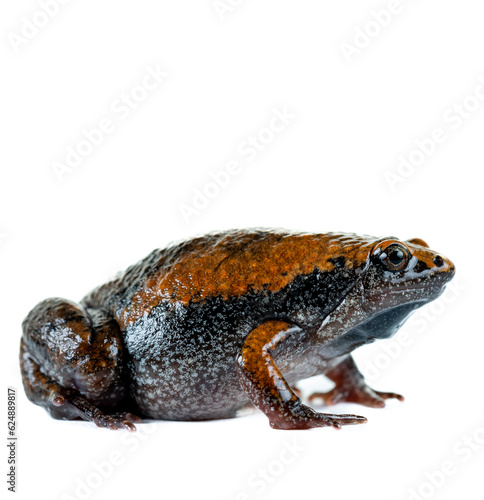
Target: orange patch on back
235, 263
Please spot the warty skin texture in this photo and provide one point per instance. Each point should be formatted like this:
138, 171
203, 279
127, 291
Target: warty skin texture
207, 326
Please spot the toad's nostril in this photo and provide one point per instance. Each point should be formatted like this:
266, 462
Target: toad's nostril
438, 261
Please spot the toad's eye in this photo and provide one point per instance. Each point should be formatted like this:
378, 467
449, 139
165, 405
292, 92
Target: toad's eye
394, 257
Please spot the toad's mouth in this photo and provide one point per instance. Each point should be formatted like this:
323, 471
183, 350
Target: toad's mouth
415, 293
418, 288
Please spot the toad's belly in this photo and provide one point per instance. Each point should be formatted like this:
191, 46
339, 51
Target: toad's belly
194, 384
202, 385
190, 374
182, 367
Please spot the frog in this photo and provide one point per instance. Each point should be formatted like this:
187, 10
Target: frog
211, 326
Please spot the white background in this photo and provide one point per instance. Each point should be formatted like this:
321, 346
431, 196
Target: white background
354, 116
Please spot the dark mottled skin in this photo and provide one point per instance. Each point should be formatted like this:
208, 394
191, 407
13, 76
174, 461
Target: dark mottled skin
205, 327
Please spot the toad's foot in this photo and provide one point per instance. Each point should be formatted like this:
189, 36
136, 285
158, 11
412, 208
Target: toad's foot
361, 394
89, 412
301, 416
351, 386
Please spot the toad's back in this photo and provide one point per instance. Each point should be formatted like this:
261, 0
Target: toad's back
226, 265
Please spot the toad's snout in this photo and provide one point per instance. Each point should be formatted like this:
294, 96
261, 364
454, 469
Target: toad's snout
444, 267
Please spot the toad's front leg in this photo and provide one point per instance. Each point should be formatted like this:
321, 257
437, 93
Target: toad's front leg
269, 392
351, 386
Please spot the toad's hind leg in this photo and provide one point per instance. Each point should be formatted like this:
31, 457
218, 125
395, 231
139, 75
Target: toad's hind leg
71, 359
